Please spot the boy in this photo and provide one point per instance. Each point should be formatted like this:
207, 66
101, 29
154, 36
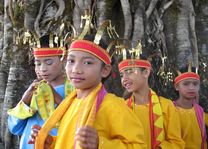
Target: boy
40, 99
157, 114
90, 117
191, 114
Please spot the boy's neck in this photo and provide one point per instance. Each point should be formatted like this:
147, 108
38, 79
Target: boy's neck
142, 95
184, 103
59, 80
82, 93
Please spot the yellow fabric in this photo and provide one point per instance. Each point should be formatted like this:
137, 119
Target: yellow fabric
206, 118
142, 111
171, 124
21, 111
43, 100
190, 130
158, 129
114, 130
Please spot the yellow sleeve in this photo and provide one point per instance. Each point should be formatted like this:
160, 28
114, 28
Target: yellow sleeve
173, 139
118, 127
21, 111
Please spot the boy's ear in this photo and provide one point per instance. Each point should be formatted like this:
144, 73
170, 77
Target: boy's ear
106, 71
176, 87
147, 73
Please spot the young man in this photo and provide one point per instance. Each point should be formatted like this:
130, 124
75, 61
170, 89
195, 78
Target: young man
191, 115
43, 95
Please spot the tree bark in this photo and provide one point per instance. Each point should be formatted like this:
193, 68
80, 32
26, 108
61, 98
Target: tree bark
184, 32
5, 60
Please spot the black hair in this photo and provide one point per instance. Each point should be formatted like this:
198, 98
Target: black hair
44, 41
185, 69
91, 37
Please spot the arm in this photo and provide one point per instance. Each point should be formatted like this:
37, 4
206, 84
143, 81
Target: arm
17, 118
172, 127
118, 127
16, 126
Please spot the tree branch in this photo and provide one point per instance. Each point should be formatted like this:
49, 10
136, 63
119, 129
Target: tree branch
36, 24
165, 7
127, 18
61, 5
150, 8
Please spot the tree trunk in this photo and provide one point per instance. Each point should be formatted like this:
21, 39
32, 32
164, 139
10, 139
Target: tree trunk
5, 61
184, 32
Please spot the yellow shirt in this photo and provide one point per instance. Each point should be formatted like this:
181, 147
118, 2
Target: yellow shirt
171, 124
190, 130
117, 126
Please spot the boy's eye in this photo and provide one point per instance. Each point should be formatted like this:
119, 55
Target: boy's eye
88, 62
121, 75
185, 83
195, 83
129, 71
49, 62
70, 61
37, 63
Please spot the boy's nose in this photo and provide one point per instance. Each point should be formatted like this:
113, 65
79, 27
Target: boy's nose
76, 68
43, 67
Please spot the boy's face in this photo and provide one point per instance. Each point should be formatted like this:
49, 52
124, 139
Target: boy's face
50, 68
188, 88
133, 79
84, 70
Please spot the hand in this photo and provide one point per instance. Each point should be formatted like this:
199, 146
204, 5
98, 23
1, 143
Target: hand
34, 134
27, 96
87, 137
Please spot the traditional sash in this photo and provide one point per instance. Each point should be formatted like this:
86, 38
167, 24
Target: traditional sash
86, 115
200, 119
201, 123
43, 98
155, 117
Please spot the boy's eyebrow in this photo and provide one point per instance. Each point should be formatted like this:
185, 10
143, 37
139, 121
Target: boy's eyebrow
88, 57
84, 57
47, 59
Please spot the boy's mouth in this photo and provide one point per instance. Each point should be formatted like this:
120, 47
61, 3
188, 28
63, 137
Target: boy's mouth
127, 85
76, 79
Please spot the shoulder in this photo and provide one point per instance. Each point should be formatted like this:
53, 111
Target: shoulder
165, 101
114, 104
167, 104
111, 100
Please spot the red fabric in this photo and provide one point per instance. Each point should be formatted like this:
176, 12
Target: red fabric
43, 52
92, 48
130, 63
186, 75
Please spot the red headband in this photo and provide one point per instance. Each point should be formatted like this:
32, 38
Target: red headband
44, 52
186, 75
92, 48
130, 63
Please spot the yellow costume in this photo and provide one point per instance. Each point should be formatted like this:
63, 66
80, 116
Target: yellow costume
117, 126
206, 118
190, 130
171, 125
